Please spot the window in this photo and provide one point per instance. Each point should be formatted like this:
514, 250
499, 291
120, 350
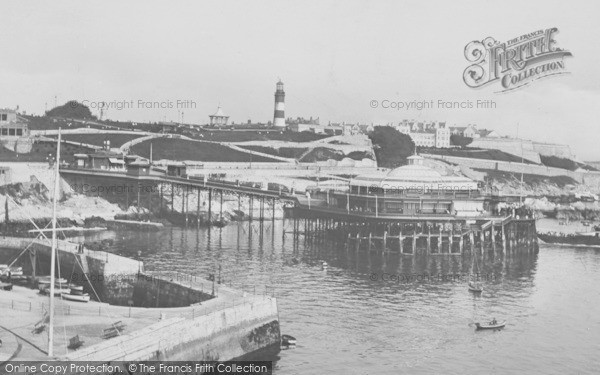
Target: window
19, 132
4, 131
4, 117
11, 131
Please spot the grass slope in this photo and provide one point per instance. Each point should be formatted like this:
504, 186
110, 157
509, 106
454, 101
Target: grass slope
181, 149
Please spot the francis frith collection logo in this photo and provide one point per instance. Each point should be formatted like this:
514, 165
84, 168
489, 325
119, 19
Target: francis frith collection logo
515, 63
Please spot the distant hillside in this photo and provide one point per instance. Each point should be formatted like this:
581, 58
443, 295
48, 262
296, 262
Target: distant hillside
71, 109
182, 149
564, 163
470, 152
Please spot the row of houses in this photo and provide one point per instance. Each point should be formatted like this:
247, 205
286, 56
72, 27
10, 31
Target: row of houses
423, 133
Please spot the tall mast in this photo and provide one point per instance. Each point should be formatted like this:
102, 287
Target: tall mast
522, 168
53, 250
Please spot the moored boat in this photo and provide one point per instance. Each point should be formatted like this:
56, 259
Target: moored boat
490, 325
57, 290
76, 289
287, 340
582, 238
6, 286
76, 297
475, 287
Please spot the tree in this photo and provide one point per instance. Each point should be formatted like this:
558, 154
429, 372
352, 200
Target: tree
391, 147
460, 140
71, 109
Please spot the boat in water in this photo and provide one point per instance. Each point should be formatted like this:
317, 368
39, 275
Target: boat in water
490, 325
475, 287
287, 340
6, 286
580, 238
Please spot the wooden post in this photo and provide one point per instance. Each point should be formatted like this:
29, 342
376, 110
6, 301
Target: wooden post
273, 214
184, 195
221, 206
493, 234
428, 239
262, 208
172, 198
370, 239
250, 206
385, 241
451, 240
400, 242
161, 197
198, 210
209, 206
472, 240
460, 243
440, 241
482, 240
357, 244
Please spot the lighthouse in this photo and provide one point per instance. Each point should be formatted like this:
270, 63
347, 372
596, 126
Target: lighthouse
279, 117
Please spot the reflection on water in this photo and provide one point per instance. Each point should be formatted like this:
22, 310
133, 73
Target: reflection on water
374, 313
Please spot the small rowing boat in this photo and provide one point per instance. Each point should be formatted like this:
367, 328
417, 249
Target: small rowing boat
76, 297
287, 340
475, 287
490, 325
57, 290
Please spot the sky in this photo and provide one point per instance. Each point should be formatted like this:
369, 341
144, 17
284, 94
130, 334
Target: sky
334, 57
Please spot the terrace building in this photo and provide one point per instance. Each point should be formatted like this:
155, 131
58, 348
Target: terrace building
12, 125
471, 131
14, 131
426, 134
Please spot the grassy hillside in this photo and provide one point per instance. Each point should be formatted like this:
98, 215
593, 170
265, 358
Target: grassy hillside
564, 163
116, 140
41, 150
244, 136
284, 152
476, 153
181, 149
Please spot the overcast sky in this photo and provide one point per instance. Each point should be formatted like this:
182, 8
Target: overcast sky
334, 58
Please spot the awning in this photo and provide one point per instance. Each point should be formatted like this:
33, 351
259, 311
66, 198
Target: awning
116, 161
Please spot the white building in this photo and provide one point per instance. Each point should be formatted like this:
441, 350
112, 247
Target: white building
426, 134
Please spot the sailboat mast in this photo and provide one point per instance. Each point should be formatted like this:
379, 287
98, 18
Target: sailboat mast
522, 168
53, 250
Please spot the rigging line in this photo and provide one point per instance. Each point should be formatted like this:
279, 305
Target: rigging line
18, 256
28, 216
107, 310
61, 303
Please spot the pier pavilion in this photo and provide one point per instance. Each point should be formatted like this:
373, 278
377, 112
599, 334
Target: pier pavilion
413, 189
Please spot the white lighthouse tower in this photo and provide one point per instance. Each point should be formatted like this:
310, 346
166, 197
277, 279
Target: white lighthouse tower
279, 117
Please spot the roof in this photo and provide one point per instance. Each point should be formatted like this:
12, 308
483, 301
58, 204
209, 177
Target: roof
413, 175
219, 113
105, 154
139, 163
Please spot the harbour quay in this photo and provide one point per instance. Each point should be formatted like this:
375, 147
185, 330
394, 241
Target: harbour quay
152, 315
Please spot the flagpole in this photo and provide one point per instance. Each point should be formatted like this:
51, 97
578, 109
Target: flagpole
53, 250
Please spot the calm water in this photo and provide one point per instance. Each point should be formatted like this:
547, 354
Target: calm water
347, 323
